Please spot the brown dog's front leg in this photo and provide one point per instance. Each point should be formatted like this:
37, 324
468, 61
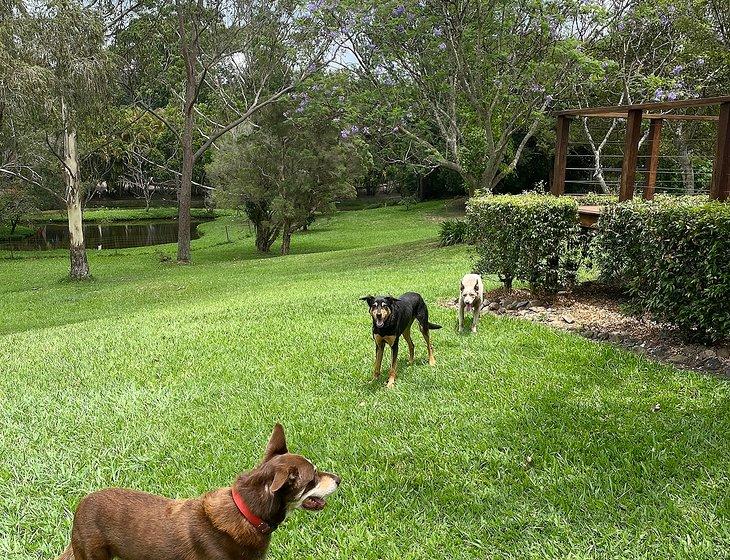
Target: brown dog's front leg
379, 348
393, 363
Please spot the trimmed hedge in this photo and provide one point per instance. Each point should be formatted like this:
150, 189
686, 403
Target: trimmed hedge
529, 237
673, 258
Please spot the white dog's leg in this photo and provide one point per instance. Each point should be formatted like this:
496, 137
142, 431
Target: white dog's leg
461, 314
477, 310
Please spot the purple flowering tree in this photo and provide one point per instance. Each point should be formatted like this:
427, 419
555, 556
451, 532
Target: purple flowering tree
465, 84
292, 166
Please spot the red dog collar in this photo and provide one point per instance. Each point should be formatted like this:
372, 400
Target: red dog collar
250, 516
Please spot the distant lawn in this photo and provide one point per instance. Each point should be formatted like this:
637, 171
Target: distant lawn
521, 443
108, 215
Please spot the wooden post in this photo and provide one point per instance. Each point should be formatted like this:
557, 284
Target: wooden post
631, 153
655, 137
720, 189
561, 155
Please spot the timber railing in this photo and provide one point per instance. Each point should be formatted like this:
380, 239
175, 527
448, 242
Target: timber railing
656, 113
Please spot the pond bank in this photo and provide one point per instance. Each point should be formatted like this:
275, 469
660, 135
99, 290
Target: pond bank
104, 228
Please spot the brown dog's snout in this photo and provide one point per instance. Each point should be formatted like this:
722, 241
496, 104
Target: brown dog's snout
333, 476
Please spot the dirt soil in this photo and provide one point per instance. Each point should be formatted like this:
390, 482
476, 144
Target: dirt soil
600, 314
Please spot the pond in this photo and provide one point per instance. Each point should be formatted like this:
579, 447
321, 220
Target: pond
105, 236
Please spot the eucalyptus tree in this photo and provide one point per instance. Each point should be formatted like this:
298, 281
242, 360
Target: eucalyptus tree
219, 62
462, 80
60, 72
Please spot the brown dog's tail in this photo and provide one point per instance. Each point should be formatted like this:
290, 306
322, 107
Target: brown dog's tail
68, 554
433, 326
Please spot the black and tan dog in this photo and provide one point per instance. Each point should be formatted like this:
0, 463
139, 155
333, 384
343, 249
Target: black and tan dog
392, 317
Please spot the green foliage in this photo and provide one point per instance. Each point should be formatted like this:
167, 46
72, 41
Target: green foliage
597, 199
293, 166
453, 232
671, 255
430, 78
408, 201
533, 238
8, 233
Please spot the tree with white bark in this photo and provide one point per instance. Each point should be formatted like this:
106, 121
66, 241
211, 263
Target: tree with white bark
59, 55
658, 50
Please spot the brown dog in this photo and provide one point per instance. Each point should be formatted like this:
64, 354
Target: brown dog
228, 523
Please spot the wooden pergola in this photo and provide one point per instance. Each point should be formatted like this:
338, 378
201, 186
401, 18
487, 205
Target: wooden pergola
656, 113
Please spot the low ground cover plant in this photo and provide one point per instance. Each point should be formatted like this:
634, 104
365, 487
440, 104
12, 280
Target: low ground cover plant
453, 232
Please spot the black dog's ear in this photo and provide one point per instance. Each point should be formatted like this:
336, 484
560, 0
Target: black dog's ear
390, 300
277, 443
462, 286
369, 299
476, 285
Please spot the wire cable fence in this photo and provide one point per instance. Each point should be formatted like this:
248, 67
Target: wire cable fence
684, 164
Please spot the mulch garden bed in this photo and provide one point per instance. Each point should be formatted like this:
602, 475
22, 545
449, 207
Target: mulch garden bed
599, 314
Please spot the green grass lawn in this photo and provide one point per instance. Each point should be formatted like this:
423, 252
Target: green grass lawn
522, 442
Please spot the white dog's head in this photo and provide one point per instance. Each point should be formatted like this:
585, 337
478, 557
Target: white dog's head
471, 290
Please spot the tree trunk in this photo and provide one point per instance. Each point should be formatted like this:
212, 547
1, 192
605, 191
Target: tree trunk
184, 193
264, 237
189, 48
286, 239
77, 248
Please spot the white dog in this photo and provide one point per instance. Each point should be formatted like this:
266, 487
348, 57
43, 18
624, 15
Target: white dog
471, 297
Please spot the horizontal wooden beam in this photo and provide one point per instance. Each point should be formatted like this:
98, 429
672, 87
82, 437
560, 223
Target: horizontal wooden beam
656, 116
656, 106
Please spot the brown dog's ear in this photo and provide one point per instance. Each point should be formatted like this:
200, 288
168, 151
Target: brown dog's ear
277, 443
281, 477
369, 299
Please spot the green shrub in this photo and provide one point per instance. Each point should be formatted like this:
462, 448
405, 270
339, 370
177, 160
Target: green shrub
529, 237
453, 232
597, 198
672, 256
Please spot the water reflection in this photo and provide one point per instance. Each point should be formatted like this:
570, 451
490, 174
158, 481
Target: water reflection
106, 236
